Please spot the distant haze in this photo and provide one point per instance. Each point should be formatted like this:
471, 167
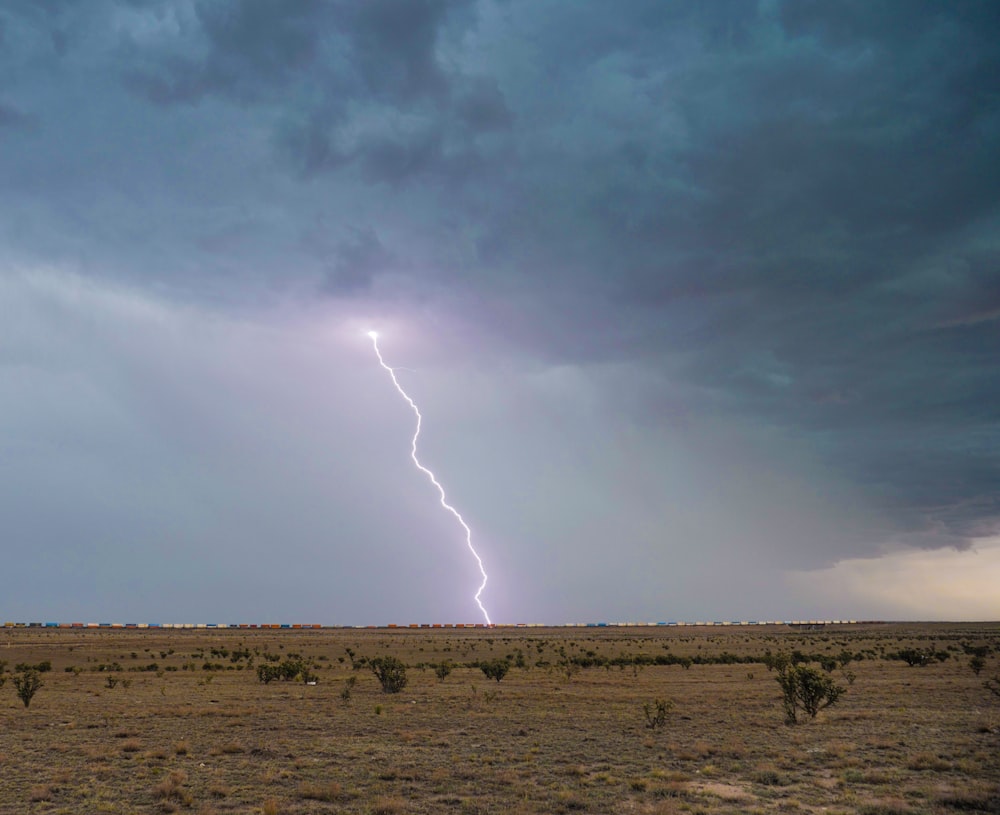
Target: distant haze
700, 303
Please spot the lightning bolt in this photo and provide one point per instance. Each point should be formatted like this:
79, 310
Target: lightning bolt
444, 500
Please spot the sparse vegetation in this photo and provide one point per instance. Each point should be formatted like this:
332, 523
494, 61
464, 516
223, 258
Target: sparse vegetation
905, 742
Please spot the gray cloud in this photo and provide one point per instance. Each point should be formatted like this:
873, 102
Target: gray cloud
774, 223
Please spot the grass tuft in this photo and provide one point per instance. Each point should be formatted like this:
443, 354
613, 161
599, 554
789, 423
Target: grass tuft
329, 791
387, 806
41, 792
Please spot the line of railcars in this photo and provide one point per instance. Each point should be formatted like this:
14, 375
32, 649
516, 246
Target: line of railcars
396, 626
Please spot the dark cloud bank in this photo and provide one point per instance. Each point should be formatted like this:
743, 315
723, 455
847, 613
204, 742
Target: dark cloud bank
713, 262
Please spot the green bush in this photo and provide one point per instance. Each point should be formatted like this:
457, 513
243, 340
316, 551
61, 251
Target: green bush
27, 683
495, 668
806, 688
41, 667
390, 672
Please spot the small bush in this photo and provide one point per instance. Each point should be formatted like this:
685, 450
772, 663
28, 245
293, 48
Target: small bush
806, 688
656, 713
442, 669
913, 657
495, 668
390, 672
345, 694
40, 667
27, 684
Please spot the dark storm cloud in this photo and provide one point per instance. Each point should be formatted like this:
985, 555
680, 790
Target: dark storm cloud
777, 216
356, 263
13, 118
394, 42
241, 50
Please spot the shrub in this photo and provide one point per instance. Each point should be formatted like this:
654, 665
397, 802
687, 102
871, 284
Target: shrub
656, 712
775, 662
918, 657
345, 694
41, 667
495, 668
442, 669
806, 688
977, 663
288, 670
390, 672
828, 664
913, 657
27, 684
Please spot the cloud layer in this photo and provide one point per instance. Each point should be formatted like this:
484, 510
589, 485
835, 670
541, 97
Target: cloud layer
696, 295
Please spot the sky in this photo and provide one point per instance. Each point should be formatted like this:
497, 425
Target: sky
700, 303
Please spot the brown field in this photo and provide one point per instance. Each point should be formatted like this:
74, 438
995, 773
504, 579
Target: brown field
177, 737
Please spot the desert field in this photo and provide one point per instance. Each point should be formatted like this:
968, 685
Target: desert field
612, 720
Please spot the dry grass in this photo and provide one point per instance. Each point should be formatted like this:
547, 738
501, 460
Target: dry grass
902, 741
40, 792
328, 791
131, 746
171, 790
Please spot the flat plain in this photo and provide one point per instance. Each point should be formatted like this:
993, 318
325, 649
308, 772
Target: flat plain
167, 720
